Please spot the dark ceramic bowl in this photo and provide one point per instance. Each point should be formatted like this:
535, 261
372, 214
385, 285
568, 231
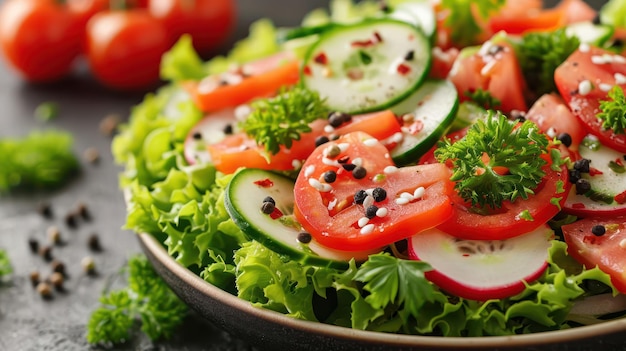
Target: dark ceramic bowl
275, 331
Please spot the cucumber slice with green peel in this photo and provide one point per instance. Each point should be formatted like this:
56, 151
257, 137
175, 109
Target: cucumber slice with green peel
607, 180
435, 105
419, 14
367, 66
279, 230
590, 33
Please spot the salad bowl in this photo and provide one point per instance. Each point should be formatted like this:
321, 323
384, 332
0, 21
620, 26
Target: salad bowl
274, 331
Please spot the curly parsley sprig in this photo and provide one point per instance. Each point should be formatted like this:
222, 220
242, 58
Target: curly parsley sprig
280, 120
497, 160
540, 53
146, 299
613, 111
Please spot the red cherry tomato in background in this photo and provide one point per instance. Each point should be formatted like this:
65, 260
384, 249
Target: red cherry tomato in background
209, 22
124, 48
40, 38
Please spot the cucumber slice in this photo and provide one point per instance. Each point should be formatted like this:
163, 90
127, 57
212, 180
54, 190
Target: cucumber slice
367, 66
434, 107
244, 196
419, 14
210, 129
590, 33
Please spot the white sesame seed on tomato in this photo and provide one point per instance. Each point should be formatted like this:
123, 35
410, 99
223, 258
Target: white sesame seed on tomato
584, 87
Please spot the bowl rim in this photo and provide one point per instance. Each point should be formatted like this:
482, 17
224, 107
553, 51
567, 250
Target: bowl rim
151, 244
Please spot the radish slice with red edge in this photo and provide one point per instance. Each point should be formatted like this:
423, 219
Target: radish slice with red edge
211, 129
482, 269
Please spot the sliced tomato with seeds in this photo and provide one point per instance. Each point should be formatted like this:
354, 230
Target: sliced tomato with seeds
605, 249
584, 80
239, 150
339, 195
553, 117
256, 79
513, 218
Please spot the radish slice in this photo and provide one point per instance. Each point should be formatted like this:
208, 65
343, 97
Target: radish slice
482, 269
211, 129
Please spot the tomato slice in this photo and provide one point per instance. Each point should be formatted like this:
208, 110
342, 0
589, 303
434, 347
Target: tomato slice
605, 251
512, 219
256, 79
239, 150
554, 117
493, 68
416, 198
583, 80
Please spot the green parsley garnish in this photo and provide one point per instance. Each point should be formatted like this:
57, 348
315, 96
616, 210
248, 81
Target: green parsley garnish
483, 98
613, 111
490, 145
540, 53
146, 298
5, 265
42, 160
278, 121
462, 22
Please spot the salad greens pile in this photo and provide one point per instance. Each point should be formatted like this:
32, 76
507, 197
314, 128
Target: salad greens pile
182, 205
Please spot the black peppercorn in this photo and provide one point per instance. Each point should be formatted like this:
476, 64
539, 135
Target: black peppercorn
370, 211
348, 166
93, 243
83, 211
46, 252
228, 129
359, 172
359, 197
320, 140
197, 136
582, 186
598, 230
34, 245
379, 194
45, 209
70, 220
269, 199
58, 267
267, 207
565, 139
330, 176
582, 165
304, 237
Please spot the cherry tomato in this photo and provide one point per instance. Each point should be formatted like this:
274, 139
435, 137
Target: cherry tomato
40, 38
85, 9
239, 150
604, 250
209, 22
260, 78
124, 48
492, 68
584, 80
409, 199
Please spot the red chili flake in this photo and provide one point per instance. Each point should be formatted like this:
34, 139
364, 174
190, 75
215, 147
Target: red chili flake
276, 213
403, 69
355, 74
378, 37
362, 43
578, 205
307, 71
619, 162
591, 239
321, 58
620, 198
264, 183
594, 171
416, 127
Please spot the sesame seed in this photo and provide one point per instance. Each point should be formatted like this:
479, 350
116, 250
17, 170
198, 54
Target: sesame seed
296, 164
329, 162
242, 112
321, 187
328, 128
598, 60
551, 132
362, 222
367, 229
357, 161
622, 244
368, 201
419, 192
370, 142
390, 169
605, 86
406, 195
619, 78
308, 171
332, 204
343, 146
397, 137
584, 47
619, 59
584, 87
402, 201
382, 212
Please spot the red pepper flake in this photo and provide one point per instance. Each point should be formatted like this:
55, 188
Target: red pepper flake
378, 37
594, 171
620, 198
321, 58
264, 183
403, 69
276, 214
591, 239
362, 43
578, 205
307, 71
619, 162
416, 127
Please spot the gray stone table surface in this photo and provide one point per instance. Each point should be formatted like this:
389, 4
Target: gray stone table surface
28, 322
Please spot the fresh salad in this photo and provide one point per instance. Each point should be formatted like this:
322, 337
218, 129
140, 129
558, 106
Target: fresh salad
440, 168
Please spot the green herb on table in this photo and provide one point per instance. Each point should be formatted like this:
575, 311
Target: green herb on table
490, 147
613, 111
278, 121
41, 160
5, 265
47, 111
146, 300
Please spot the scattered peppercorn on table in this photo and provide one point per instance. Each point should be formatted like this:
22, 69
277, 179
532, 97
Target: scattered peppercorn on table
67, 246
